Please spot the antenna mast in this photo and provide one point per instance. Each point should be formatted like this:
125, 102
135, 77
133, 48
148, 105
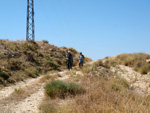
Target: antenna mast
30, 34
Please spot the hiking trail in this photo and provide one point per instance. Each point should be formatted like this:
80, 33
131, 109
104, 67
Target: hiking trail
29, 103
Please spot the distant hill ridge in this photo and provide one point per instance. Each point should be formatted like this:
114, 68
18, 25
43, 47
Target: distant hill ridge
140, 62
21, 59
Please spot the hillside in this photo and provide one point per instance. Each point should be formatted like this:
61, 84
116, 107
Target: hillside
110, 88
110, 85
20, 59
137, 61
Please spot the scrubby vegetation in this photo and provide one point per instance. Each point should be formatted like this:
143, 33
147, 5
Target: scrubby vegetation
4, 75
62, 89
105, 93
136, 60
21, 59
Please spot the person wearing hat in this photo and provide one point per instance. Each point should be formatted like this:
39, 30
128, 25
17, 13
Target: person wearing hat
69, 59
81, 60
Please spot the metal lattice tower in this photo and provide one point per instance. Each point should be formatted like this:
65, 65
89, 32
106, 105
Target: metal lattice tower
30, 34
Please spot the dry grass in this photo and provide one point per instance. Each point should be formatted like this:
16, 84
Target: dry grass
136, 60
21, 59
104, 94
48, 77
102, 97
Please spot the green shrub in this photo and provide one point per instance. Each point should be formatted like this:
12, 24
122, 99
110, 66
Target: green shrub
45, 41
75, 89
18, 91
61, 89
31, 72
4, 75
52, 65
14, 64
33, 46
144, 69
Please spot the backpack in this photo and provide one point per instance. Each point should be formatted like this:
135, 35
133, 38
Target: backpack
81, 56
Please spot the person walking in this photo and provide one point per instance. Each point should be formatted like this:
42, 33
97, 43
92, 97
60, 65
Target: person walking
81, 60
69, 59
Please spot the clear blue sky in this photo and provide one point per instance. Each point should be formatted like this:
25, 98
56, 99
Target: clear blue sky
98, 28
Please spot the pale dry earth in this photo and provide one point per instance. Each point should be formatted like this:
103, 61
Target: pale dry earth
138, 82
31, 103
6, 91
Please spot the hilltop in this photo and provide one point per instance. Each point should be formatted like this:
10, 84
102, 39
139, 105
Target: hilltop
119, 84
21, 59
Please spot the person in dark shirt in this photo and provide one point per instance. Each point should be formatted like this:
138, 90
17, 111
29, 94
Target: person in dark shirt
69, 59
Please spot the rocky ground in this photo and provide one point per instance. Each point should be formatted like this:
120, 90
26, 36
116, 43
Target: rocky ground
140, 83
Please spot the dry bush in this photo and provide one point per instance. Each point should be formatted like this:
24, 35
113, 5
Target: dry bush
102, 97
136, 60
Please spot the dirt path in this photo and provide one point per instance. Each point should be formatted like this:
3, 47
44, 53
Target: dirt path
140, 83
6, 91
13, 101
31, 96
29, 103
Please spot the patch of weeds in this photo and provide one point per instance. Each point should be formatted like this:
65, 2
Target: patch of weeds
86, 69
109, 63
19, 91
52, 65
61, 89
45, 41
144, 69
4, 75
22, 68
40, 54
33, 46
49, 77
119, 84
32, 72
14, 64
48, 108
